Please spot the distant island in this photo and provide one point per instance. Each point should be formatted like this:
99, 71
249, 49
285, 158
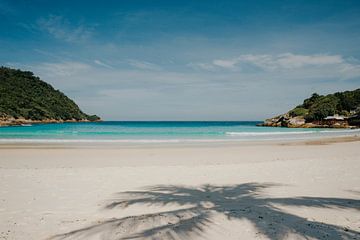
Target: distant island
25, 99
338, 110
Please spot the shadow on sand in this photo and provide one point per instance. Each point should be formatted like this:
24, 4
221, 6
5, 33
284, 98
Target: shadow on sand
197, 206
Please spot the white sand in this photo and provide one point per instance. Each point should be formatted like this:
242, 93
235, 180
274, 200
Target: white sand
243, 191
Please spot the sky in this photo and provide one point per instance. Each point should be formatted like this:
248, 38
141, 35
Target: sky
185, 60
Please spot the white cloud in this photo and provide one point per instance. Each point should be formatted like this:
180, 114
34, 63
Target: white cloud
262, 61
100, 63
225, 63
61, 29
144, 65
334, 64
350, 70
289, 60
133, 94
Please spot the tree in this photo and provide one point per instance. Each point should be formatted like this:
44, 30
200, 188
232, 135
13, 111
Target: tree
323, 107
310, 101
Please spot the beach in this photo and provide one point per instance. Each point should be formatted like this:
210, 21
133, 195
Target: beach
246, 190
180, 120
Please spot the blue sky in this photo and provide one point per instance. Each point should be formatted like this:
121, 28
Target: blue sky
185, 60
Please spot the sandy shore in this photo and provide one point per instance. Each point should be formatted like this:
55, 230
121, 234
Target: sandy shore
303, 190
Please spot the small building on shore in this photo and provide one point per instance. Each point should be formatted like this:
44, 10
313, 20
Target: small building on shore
335, 120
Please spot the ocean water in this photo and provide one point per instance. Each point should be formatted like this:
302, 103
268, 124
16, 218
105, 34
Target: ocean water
162, 132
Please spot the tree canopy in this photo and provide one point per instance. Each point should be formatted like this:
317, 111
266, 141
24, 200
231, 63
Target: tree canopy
318, 106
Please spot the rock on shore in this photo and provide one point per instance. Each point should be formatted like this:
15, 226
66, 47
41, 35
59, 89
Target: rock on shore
20, 121
285, 120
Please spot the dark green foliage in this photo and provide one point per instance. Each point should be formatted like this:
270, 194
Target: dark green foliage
23, 95
93, 118
317, 107
323, 107
310, 101
298, 111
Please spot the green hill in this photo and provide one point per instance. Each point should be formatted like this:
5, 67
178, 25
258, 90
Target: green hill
318, 107
25, 96
313, 111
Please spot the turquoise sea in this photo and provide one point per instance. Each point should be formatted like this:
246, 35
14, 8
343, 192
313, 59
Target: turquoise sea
165, 131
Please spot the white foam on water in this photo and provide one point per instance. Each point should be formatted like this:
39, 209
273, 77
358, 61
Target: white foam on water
29, 140
266, 133
231, 136
350, 131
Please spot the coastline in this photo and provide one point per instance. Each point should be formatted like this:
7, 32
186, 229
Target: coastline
48, 144
21, 121
296, 122
160, 133
60, 191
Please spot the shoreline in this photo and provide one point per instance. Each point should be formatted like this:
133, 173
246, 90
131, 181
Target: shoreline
21, 122
44, 143
310, 125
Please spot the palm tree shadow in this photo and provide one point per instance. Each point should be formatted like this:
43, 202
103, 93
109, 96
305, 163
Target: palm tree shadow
197, 207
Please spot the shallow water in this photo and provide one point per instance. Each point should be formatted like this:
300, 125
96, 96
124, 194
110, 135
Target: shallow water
143, 132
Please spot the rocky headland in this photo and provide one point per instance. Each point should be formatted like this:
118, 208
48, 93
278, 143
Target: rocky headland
338, 110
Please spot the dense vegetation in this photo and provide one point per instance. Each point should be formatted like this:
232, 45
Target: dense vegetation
23, 95
318, 106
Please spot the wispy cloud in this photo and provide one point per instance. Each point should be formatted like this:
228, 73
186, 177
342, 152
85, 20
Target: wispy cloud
202, 66
346, 68
350, 70
281, 61
225, 63
101, 63
185, 95
144, 65
60, 28
66, 68
289, 60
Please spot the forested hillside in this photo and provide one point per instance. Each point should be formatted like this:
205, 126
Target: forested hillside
23, 95
318, 107
314, 111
